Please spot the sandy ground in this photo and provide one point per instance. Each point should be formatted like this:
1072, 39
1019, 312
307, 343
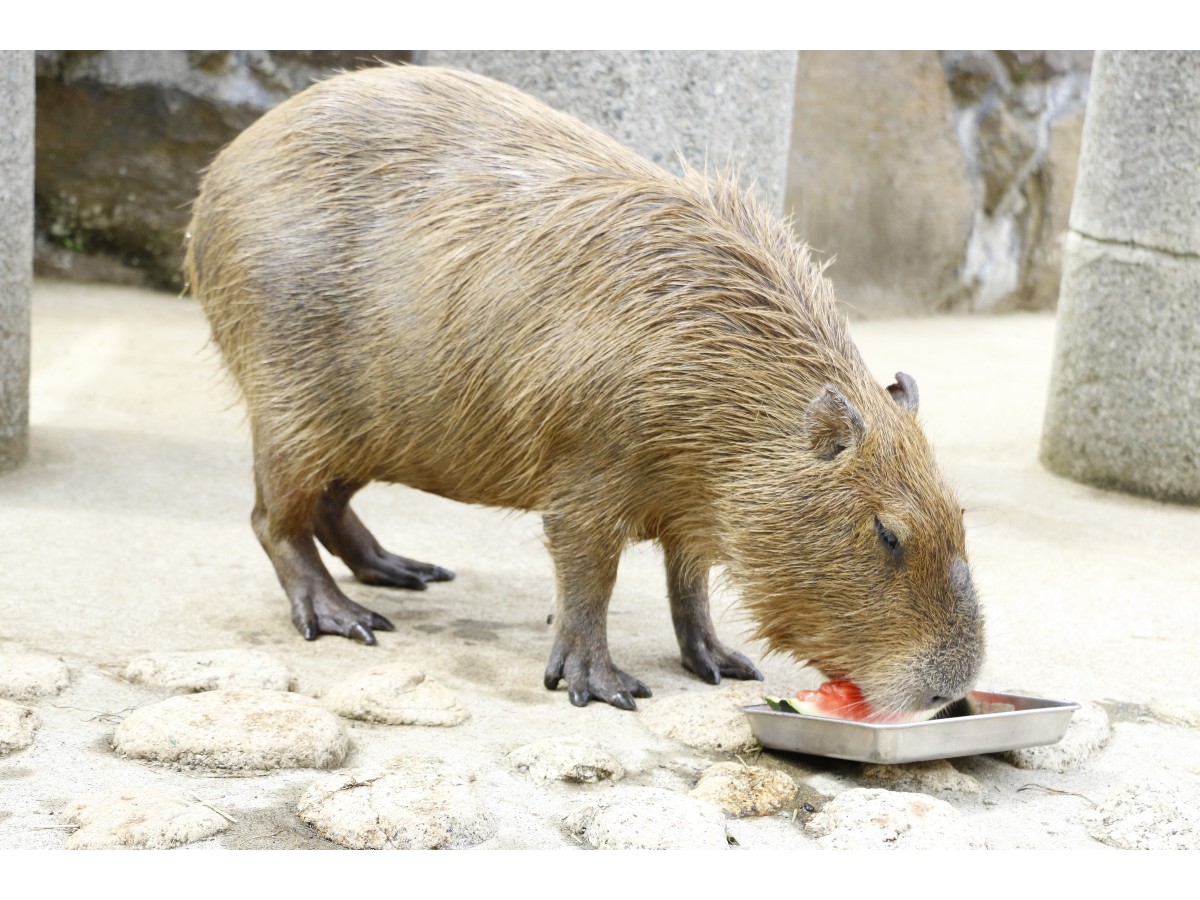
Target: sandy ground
127, 532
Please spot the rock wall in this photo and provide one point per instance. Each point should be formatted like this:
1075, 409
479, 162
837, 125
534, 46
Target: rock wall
941, 181
122, 137
706, 105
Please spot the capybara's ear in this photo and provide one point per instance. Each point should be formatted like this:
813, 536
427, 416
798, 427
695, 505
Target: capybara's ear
834, 425
904, 392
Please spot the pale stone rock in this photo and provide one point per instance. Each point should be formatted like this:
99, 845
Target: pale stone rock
742, 790
139, 818
638, 818
935, 776
1147, 816
708, 720
413, 804
1177, 712
254, 730
17, 725
210, 670
395, 694
1087, 734
872, 819
571, 759
30, 676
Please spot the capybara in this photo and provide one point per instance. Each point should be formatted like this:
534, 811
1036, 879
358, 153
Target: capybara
422, 276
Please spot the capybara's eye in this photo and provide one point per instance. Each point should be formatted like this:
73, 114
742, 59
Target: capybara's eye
888, 538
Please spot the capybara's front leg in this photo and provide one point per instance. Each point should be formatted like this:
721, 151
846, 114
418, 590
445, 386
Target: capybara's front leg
586, 568
282, 519
702, 653
345, 536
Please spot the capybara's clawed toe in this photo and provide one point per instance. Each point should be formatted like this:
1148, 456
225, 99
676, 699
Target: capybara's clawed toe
337, 614
389, 570
592, 676
710, 660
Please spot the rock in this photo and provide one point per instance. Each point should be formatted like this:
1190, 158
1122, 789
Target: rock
139, 818
708, 720
898, 210
122, 137
1050, 193
924, 777
1088, 732
973, 74
648, 819
30, 676
394, 694
571, 759
1147, 816
1006, 143
210, 670
1184, 712
255, 730
413, 804
1027, 65
742, 790
872, 819
17, 725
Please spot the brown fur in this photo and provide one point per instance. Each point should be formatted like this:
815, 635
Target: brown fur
422, 276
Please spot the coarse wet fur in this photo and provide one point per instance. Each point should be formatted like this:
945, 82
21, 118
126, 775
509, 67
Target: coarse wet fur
422, 276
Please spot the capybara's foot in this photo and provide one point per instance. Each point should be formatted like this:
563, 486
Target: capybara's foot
712, 659
385, 569
592, 676
337, 614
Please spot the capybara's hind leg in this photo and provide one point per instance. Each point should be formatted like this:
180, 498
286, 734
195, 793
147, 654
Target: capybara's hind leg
586, 568
345, 536
282, 519
702, 653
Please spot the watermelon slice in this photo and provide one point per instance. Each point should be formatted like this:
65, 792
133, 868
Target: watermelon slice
834, 699
840, 699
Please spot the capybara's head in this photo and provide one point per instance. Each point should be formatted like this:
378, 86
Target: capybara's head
855, 559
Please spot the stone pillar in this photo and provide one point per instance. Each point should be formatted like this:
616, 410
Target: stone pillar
16, 251
717, 104
1124, 404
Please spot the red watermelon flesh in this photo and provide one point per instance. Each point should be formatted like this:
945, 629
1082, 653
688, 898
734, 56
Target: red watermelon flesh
842, 699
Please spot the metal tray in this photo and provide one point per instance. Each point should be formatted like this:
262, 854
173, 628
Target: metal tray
1021, 722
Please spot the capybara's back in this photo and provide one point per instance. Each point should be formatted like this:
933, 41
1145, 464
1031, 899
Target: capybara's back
423, 276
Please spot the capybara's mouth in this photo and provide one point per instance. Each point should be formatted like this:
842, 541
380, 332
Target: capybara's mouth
868, 708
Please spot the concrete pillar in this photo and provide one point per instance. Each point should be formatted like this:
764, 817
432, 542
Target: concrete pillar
16, 251
1124, 403
720, 104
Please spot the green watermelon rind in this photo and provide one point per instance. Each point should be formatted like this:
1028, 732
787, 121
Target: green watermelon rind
792, 705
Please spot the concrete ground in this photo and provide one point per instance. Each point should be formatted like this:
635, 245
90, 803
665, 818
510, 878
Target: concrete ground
128, 532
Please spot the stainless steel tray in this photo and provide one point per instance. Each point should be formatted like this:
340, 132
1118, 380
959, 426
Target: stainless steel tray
1023, 722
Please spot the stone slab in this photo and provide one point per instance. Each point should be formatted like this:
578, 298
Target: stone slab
412, 804
139, 818
253, 730
210, 670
